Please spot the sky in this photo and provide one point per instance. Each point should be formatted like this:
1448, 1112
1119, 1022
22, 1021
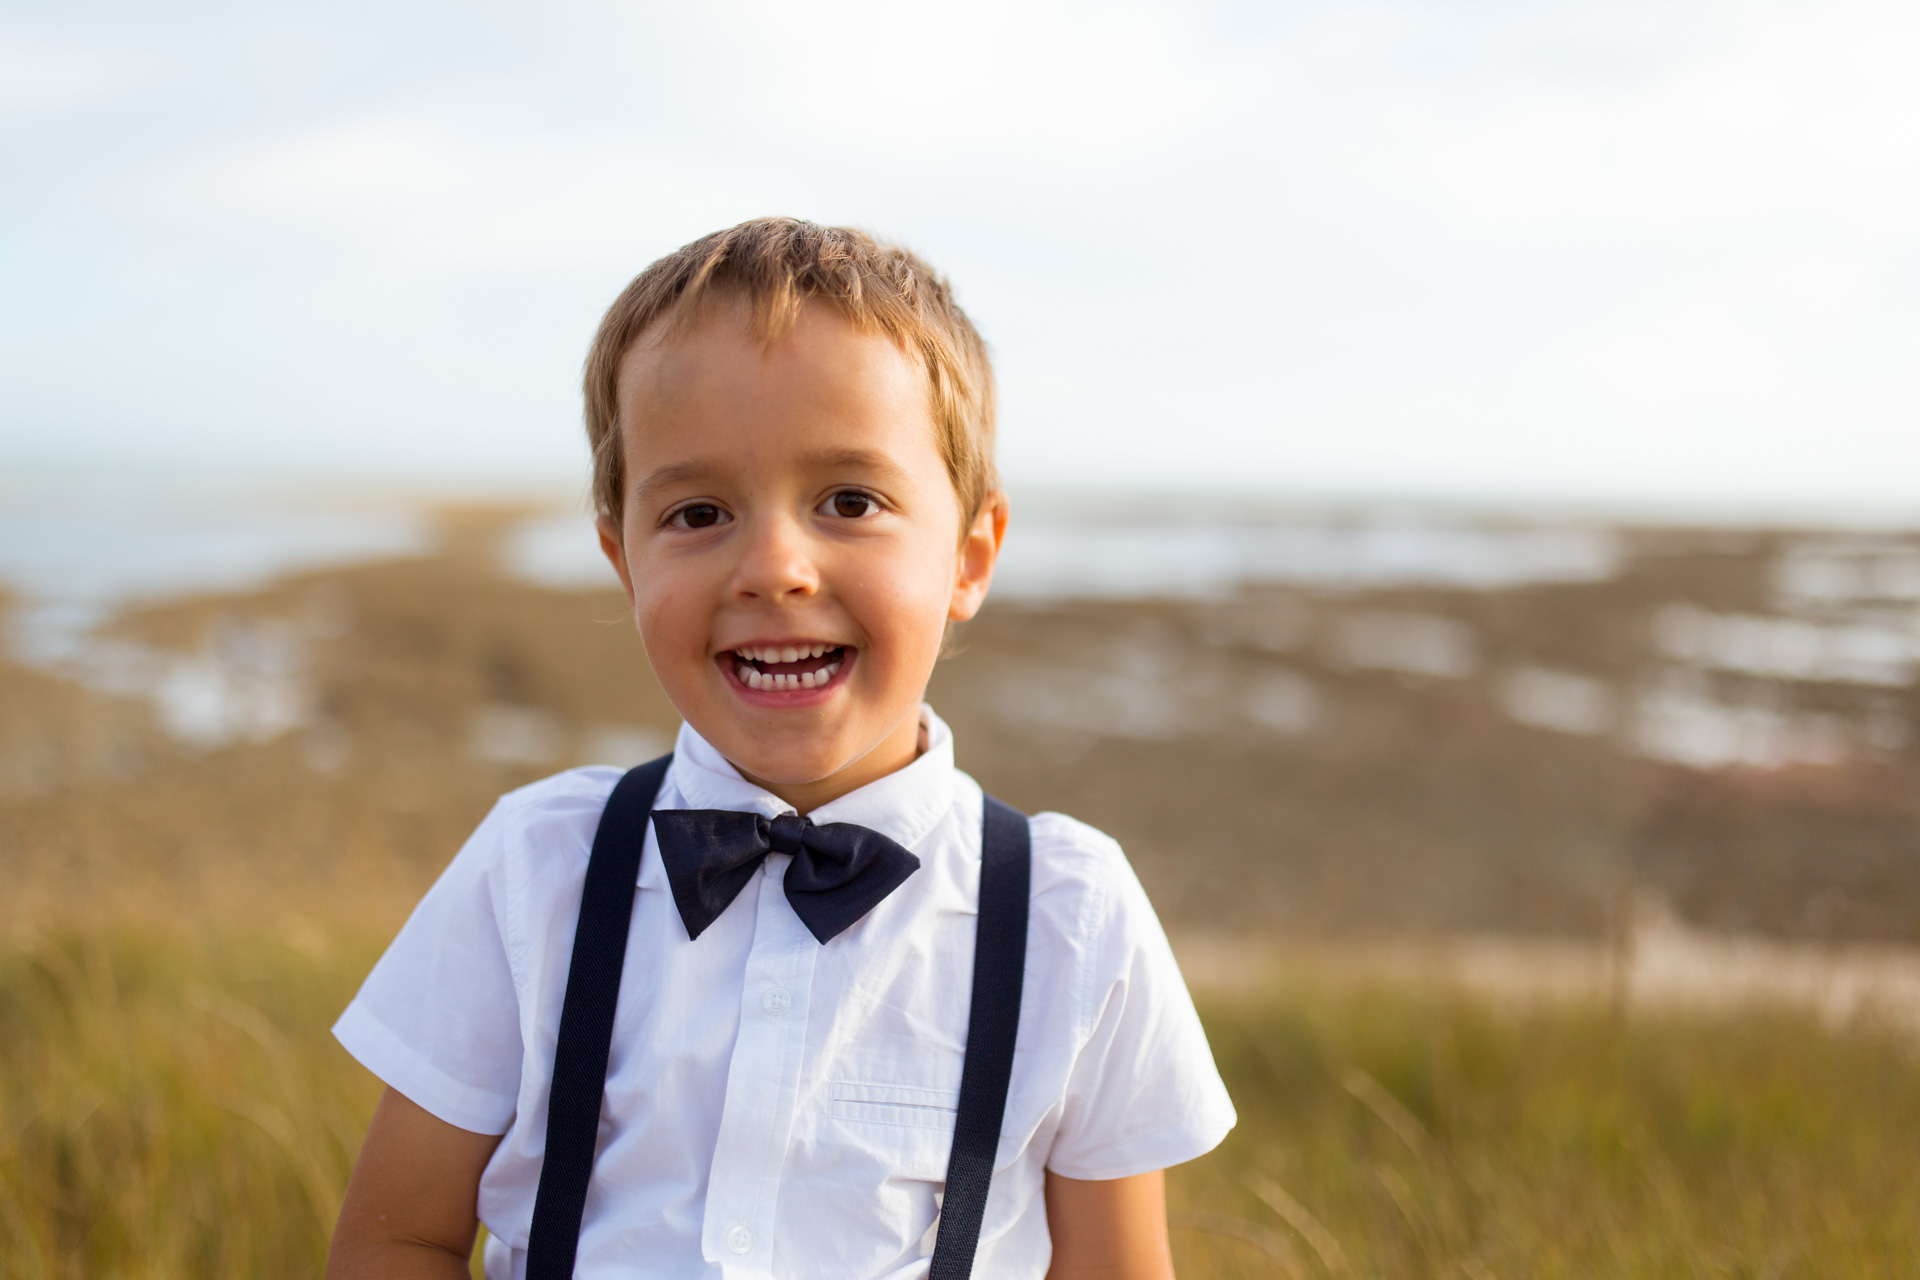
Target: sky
1544, 250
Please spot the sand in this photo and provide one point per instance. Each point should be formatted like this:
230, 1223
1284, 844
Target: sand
1284, 766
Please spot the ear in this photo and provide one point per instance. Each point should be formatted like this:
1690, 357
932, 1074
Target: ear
614, 547
979, 551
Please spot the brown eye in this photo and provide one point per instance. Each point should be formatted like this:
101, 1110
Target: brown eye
701, 515
851, 503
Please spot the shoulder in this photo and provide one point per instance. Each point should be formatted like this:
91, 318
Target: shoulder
556, 810
564, 793
1086, 896
537, 830
1071, 857
1080, 874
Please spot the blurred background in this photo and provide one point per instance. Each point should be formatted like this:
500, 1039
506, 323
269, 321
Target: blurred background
1466, 548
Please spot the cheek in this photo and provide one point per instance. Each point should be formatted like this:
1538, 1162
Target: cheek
671, 623
910, 601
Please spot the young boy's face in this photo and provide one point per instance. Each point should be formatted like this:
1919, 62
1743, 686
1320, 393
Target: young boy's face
791, 544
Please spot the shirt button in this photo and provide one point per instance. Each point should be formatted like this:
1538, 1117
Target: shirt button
776, 1001
740, 1240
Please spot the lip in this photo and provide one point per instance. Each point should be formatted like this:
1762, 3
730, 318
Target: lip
784, 698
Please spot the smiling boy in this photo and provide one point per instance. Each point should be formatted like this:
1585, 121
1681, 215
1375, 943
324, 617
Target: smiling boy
792, 431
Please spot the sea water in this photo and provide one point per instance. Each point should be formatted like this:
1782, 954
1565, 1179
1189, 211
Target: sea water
75, 547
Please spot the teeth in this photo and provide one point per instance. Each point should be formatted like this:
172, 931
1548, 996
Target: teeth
788, 653
754, 678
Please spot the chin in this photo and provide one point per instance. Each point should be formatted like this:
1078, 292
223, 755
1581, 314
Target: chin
802, 759
788, 769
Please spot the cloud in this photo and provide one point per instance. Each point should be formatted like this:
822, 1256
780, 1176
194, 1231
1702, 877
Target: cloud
457, 186
1574, 246
39, 76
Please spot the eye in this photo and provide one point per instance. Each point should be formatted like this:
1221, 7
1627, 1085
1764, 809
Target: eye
697, 515
852, 504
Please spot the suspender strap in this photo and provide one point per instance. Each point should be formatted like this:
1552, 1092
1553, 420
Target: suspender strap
999, 972
586, 1022
593, 991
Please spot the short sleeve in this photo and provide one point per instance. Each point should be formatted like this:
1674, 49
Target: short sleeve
438, 1019
1143, 1093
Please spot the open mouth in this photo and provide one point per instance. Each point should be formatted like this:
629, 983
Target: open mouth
779, 668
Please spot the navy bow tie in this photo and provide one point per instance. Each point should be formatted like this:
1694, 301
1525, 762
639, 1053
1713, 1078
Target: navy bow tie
839, 871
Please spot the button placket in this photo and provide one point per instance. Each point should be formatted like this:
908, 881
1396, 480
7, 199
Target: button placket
763, 1076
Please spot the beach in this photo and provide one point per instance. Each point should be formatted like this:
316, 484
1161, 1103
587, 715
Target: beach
1405, 791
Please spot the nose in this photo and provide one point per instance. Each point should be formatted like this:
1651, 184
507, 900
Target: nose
777, 566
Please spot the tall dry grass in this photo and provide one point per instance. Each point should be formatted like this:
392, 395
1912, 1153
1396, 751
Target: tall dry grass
1406, 1133
171, 1105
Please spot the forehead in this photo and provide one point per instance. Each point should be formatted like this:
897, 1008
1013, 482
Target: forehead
718, 384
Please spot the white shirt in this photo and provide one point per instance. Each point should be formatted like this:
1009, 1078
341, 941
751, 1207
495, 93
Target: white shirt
775, 1106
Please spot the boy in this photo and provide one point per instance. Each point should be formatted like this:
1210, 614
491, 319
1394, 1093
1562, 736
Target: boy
792, 443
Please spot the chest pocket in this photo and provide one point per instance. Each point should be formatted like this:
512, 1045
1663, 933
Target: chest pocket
908, 1129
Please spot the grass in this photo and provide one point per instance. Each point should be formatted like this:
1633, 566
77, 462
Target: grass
171, 1105
1400, 1133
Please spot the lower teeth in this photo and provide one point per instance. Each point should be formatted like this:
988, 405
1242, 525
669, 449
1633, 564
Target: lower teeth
783, 681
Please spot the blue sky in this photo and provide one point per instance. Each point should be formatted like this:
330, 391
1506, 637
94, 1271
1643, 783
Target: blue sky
1615, 252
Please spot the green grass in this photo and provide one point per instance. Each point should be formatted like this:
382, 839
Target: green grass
172, 1106
1412, 1135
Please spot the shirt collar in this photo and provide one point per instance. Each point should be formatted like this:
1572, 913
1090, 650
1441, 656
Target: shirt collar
903, 806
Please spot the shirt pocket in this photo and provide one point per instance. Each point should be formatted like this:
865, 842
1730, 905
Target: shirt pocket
907, 1128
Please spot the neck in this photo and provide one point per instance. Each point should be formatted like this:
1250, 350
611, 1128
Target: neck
900, 748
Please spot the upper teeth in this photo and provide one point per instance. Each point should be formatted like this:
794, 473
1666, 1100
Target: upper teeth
790, 653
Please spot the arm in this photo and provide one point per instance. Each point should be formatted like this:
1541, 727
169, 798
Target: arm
409, 1212
1111, 1230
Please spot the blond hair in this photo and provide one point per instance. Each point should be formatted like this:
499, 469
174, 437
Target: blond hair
777, 265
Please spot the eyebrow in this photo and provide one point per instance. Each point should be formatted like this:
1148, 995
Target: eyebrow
868, 460
676, 473
871, 461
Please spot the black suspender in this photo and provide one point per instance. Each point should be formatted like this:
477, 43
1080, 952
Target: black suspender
999, 972
586, 1022
593, 989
